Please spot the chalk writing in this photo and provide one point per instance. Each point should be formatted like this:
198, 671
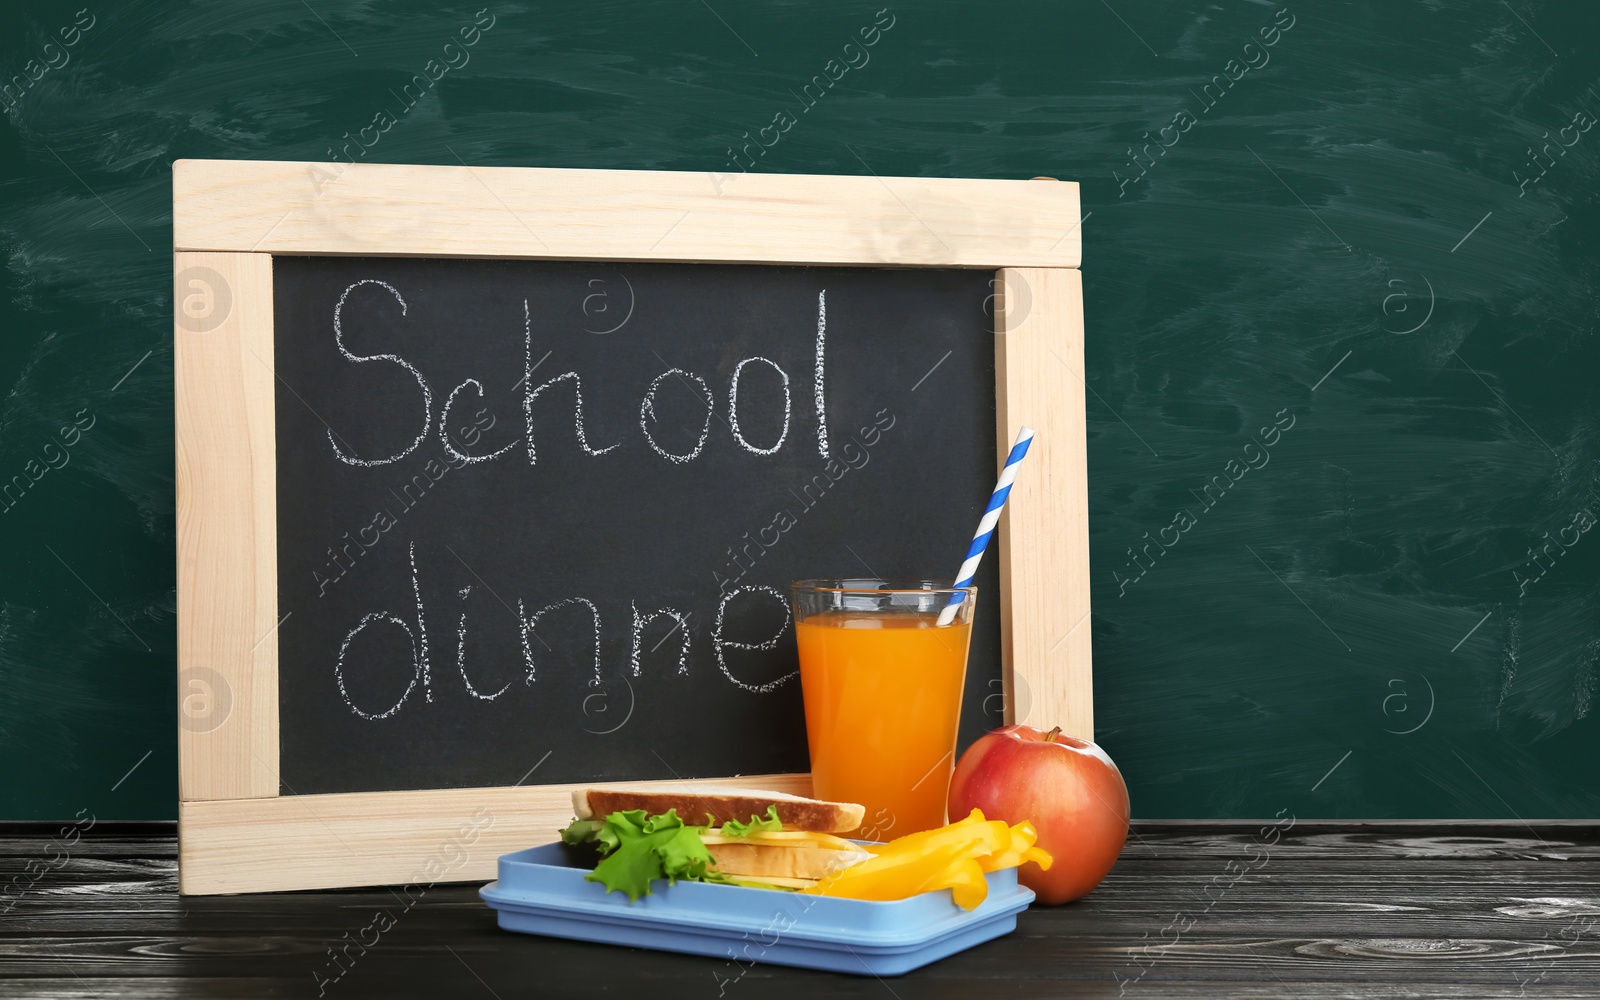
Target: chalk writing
822, 409
733, 407
427, 393
718, 644
647, 414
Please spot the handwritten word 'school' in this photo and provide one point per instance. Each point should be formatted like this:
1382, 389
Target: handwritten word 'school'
673, 379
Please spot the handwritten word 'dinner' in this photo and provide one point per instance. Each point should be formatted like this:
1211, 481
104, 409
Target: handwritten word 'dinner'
528, 620
673, 379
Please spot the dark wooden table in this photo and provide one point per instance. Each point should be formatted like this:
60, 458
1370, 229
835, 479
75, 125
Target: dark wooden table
1369, 910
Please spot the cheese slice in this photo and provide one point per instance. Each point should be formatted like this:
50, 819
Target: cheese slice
769, 861
779, 881
783, 838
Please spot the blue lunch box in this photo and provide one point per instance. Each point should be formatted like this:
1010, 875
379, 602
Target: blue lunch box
542, 891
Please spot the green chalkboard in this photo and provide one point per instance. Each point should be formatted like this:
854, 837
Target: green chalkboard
1370, 229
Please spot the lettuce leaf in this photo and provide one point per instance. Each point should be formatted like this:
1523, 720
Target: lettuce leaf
638, 849
581, 831
769, 824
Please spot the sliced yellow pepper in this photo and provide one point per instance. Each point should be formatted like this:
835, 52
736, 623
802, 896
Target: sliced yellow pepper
961, 830
955, 857
1019, 852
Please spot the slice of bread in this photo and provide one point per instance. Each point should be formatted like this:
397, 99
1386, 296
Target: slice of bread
721, 802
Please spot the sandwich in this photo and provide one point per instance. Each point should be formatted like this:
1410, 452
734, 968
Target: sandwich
721, 803
712, 833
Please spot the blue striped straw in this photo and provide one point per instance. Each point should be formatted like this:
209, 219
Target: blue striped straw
991, 517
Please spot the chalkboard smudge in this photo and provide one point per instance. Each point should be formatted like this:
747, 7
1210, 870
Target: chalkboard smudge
70, 36
1402, 694
1183, 520
784, 120
1183, 120
1472, 630
1579, 118
383, 121
1503, 402
97, 597
1302, 600
1330, 371
1582, 521
1401, 308
32, 471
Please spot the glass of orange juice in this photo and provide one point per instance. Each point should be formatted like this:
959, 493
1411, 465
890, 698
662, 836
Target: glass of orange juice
882, 684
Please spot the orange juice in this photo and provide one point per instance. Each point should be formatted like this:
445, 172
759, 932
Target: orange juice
883, 700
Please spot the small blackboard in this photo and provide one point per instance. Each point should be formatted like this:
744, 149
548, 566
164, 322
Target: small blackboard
491, 485
537, 520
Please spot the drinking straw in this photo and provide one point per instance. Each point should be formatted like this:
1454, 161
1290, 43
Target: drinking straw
991, 517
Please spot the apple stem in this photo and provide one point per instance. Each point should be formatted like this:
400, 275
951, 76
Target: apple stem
1050, 737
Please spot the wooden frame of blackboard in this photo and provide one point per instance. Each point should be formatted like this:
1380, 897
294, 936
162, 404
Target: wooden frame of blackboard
237, 833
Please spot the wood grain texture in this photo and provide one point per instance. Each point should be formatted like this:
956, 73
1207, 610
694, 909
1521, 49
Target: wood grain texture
227, 526
1483, 913
459, 211
1044, 530
374, 838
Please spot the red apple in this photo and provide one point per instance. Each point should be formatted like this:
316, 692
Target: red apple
1066, 787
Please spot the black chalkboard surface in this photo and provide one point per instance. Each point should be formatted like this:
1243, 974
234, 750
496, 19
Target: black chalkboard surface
536, 521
